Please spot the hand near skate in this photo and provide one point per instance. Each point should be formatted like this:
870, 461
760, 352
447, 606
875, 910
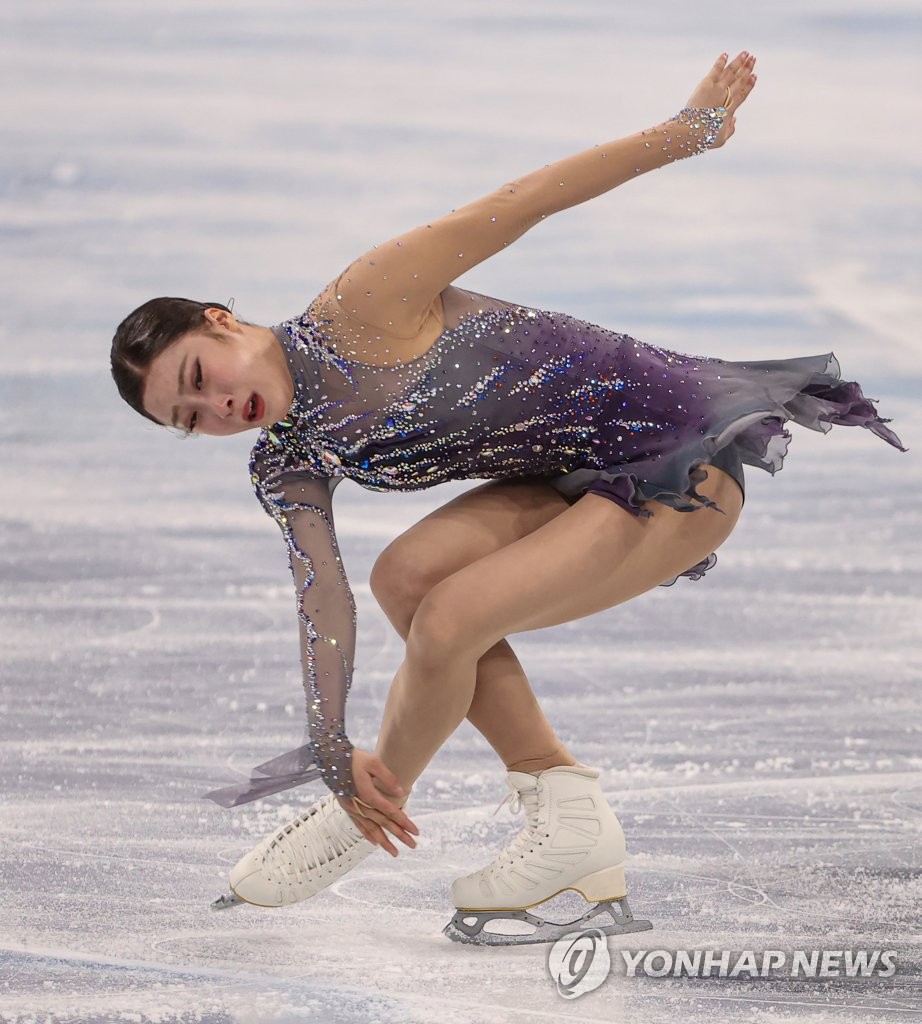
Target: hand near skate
712, 91
373, 811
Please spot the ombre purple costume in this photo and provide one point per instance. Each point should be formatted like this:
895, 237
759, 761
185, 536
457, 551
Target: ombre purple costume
506, 391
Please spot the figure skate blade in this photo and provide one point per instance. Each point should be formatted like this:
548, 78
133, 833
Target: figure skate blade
468, 925
227, 900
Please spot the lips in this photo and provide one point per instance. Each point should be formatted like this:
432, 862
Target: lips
255, 409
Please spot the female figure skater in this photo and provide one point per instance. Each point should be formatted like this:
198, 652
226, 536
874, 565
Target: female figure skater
599, 447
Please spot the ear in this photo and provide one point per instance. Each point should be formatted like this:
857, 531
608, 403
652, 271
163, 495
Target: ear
215, 317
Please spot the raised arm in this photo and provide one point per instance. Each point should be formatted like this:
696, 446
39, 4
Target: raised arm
393, 285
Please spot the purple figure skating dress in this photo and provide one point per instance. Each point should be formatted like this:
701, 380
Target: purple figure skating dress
506, 391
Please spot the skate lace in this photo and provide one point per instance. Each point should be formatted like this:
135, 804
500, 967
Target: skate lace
318, 838
532, 834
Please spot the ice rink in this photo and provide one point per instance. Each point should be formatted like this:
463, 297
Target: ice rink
759, 731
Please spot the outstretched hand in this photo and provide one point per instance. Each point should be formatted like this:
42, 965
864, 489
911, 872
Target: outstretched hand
712, 91
372, 811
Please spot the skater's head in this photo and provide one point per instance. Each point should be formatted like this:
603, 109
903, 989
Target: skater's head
195, 366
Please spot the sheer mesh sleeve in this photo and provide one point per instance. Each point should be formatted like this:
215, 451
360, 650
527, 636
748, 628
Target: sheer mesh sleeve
302, 506
299, 499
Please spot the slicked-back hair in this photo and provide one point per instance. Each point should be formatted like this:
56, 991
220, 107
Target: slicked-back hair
144, 334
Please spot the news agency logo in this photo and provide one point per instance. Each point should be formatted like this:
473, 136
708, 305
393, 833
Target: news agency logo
579, 962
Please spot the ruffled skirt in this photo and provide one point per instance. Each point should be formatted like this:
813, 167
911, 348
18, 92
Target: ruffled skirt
745, 425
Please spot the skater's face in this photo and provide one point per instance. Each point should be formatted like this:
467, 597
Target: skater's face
224, 379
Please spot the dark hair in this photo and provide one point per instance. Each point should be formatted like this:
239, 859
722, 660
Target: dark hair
144, 334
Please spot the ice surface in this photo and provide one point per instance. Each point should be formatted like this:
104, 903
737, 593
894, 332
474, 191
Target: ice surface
759, 731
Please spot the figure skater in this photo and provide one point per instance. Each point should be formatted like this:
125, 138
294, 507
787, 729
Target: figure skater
613, 466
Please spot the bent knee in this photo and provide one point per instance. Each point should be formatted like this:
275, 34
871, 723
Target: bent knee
398, 584
444, 626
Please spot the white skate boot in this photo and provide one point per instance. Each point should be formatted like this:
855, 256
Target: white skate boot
571, 840
296, 862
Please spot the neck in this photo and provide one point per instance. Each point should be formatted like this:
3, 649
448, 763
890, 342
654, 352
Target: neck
270, 349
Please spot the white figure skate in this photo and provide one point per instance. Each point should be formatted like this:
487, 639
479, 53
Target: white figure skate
571, 840
295, 863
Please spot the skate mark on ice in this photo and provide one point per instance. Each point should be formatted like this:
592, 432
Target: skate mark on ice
262, 947
57, 853
898, 798
392, 890
733, 886
27, 623
150, 983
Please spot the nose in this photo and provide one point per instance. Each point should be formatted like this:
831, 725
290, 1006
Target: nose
223, 406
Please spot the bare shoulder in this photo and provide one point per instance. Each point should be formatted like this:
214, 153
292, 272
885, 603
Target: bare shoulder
358, 340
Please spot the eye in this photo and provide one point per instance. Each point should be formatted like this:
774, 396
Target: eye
197, 379
193, 420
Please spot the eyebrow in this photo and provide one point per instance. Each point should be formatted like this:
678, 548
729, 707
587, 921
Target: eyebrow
180, 387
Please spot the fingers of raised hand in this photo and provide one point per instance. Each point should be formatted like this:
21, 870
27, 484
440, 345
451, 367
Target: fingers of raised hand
741, 90
739, 64
745, 72
739, 78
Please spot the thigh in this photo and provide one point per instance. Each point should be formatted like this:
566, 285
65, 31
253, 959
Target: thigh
467, 528
592, 557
